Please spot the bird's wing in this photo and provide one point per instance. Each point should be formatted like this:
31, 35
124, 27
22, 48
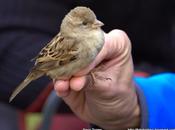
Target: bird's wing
58, 52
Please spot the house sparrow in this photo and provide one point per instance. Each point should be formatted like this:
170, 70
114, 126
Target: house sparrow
76, 45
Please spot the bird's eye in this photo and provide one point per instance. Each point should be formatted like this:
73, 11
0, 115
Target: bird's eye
84, 23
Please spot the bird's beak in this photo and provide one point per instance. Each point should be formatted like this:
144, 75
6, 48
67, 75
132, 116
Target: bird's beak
97, 24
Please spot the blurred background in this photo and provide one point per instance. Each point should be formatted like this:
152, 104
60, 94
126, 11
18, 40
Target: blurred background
27, 25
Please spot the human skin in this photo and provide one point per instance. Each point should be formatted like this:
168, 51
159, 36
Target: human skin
109, 100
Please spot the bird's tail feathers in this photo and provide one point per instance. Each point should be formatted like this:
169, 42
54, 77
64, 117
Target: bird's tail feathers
33, 75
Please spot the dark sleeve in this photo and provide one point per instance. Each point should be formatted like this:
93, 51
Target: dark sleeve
25, 27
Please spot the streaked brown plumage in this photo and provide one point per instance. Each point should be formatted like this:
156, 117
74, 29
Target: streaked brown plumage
75, 47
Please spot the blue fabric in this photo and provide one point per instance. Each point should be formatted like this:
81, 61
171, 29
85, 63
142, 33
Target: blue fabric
159, 92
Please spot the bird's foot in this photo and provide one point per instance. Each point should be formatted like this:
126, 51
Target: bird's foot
99, 77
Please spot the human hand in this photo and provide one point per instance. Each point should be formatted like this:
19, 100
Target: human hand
110, 101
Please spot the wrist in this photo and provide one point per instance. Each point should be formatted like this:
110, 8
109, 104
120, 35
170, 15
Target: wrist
128, 117
129, 122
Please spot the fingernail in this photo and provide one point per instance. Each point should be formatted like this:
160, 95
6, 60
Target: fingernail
62, 94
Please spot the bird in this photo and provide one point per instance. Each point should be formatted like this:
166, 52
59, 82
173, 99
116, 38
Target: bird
76, 45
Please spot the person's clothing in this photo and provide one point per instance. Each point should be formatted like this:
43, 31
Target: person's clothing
13, 119
9, 117
157, 100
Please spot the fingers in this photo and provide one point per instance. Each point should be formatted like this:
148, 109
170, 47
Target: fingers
77, 83
117, 42
63, 88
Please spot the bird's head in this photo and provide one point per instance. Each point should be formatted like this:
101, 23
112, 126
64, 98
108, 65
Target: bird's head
80, 21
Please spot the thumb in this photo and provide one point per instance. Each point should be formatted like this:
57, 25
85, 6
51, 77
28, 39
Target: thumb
116, 42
